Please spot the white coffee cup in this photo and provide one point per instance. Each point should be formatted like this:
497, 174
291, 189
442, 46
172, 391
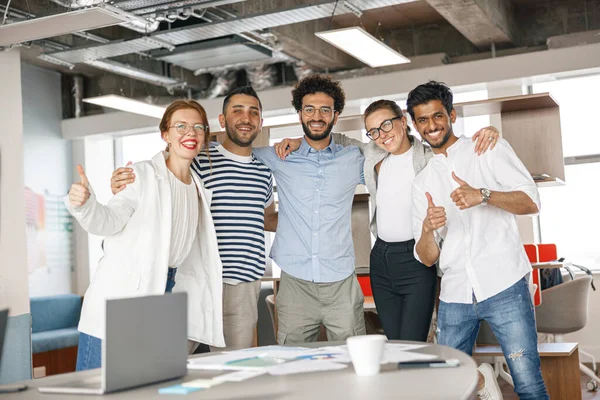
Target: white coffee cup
366, 352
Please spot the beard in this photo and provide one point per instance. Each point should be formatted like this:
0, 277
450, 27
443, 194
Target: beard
443, 141
238, 139
316, 137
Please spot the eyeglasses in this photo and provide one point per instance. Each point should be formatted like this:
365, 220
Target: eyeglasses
385, 126
183, 128
309, 111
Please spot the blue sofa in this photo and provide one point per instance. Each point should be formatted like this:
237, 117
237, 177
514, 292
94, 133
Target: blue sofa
54, 336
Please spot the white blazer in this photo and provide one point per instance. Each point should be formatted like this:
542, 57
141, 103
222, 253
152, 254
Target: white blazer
137, 226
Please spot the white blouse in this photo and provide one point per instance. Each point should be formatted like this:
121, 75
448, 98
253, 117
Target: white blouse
184, 221
394, 198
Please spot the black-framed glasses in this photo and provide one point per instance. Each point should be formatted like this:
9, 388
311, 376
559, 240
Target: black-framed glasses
309, 111
183, 128
385, 126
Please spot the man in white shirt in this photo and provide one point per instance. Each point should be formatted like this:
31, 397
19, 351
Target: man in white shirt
464, 208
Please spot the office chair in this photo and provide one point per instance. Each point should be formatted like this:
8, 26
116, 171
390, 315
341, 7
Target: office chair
270, 300
564, 309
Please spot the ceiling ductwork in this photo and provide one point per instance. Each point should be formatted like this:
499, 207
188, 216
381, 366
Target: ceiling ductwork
302, 70
134, 22
222, 83
212, 30
151, 7
77, 3
254, 51
262, 77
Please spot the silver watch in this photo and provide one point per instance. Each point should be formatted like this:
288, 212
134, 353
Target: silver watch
485, 194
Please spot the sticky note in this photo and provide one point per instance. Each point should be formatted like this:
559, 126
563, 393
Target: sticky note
200, 383
178, 389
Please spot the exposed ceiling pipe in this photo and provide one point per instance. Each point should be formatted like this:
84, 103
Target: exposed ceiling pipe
302, 70
78, 95
5, 12
222, 83
135, 22
148, 7
275, 58
262, 76
77, 3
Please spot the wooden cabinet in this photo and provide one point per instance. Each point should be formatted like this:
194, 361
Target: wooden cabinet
531, 124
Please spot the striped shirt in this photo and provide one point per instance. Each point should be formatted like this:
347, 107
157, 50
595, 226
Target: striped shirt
242, 189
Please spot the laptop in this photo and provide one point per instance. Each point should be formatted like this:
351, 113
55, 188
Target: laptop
146, 342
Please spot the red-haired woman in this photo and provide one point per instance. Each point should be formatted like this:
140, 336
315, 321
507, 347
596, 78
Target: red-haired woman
159, 225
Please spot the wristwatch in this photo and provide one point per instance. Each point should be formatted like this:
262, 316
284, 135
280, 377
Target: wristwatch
485, 194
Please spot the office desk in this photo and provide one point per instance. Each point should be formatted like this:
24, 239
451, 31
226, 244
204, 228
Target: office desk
391, 383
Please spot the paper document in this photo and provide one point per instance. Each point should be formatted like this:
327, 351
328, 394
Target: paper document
230, 362
288, 353
302, 366
392, 353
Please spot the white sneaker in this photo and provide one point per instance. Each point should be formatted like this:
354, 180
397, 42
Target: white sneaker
491, 390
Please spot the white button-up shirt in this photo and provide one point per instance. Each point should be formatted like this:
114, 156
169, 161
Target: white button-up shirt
482, 252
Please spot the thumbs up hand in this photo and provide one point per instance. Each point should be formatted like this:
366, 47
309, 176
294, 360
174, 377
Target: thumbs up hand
436, 216
465, 196
79, 192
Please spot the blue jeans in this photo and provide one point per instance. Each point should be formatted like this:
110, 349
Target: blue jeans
89, 350
511, 316
170, 280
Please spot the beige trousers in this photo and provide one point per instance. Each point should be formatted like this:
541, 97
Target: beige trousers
302, 307
240, 315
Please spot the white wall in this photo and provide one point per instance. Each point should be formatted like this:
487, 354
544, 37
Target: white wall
14, 292
47, 164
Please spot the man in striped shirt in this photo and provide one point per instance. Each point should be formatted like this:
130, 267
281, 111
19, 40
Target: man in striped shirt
242, 208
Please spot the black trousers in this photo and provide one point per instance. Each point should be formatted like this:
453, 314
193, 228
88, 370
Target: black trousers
403, 289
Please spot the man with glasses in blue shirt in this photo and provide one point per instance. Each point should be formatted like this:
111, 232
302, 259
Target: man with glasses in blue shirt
313, 245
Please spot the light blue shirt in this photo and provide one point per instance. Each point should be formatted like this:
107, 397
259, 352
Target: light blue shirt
316, 189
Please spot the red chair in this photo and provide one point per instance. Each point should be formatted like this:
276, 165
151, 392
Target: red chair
365, 285
532, 254
547, 252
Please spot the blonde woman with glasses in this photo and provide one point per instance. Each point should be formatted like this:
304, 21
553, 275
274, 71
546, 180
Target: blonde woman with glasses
158, 228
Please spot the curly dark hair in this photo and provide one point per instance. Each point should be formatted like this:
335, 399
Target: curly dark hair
319, 84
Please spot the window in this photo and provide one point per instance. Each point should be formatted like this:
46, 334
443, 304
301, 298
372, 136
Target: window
140, 147
568, 216
578, 101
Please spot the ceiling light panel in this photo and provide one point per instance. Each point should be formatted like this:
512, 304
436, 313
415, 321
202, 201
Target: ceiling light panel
59, 24
135, 73
361, 45
127, 104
